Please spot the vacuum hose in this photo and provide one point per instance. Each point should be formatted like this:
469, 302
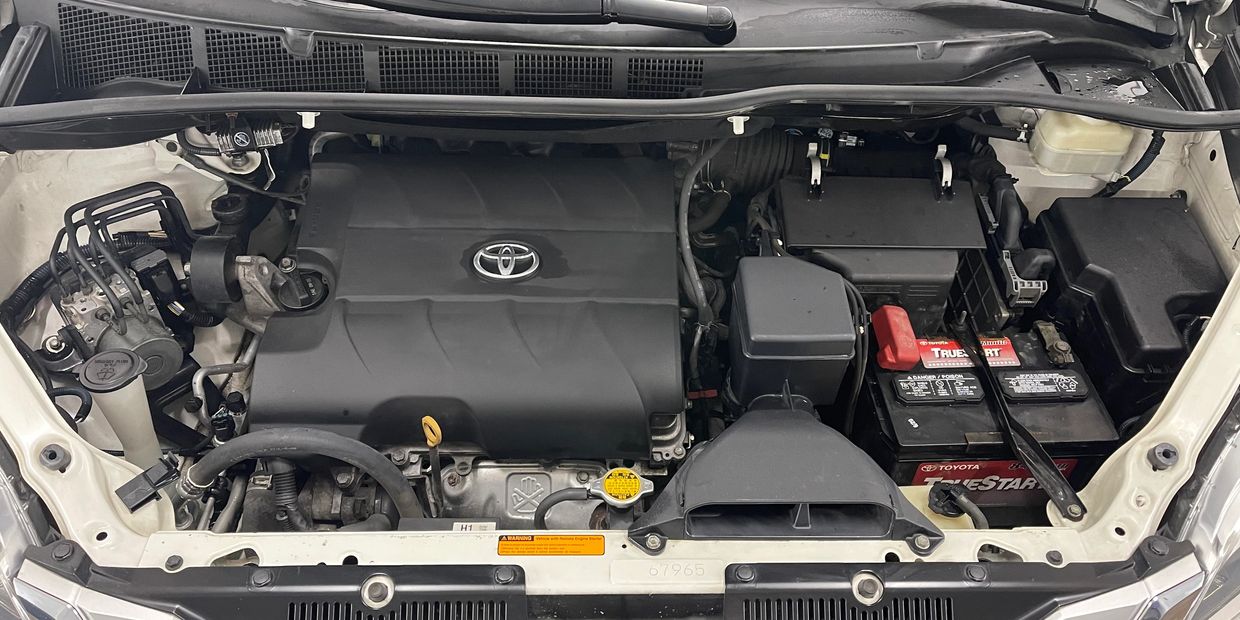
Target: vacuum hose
1147, 158
294, 442
563, 495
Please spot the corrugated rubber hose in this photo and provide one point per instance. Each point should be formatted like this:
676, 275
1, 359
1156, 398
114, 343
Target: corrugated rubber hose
294, 442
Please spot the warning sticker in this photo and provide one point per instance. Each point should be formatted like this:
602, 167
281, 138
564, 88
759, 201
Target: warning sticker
550, 544
985, 475
1042, 384
947, 353
947, 387
622, 484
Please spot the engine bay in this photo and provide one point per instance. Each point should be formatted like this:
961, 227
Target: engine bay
800, 333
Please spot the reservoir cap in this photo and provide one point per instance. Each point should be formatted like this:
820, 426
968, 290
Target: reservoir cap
109, 371
621, 487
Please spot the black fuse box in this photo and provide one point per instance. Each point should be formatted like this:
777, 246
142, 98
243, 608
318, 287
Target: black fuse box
791, 323
1132, 274
935, 422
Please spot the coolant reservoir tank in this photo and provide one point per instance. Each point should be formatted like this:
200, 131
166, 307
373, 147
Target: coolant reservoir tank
1072, 144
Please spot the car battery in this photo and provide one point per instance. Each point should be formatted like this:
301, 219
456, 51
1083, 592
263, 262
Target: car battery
933, 420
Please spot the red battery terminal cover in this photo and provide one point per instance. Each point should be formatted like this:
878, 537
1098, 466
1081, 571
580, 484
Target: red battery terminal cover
897, 344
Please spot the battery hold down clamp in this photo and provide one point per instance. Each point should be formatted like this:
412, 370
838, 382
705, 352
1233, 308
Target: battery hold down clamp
1018, 438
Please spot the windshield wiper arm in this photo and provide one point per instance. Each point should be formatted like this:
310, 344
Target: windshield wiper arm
663, 13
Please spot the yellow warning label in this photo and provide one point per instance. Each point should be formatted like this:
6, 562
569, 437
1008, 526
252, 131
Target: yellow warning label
622, 484
550, 544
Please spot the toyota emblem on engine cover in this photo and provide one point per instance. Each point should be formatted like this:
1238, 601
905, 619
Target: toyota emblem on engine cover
506, 261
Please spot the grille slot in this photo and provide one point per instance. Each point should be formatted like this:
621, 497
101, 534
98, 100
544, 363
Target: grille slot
556, 75
98, 46
259, 62
409, 610
838, 608
438, 71
663, 78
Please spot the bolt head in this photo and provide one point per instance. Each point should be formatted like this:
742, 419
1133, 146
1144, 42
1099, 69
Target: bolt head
453, 479
1163, 456
377, 591
1075, 511
53, 344
1159, 547
287, 264
262, 577
921, 541
62, 551
653, 542
867, 588
343, 478
505, 574
745, 572
174, 562
583, 476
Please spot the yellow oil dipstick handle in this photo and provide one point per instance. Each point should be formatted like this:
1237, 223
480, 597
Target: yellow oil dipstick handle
434, 435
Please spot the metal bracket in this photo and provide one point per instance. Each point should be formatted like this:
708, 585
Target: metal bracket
259, 279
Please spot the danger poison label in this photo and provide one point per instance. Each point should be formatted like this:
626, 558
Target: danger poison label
985, 475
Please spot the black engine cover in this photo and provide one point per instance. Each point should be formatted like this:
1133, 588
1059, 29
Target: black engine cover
569, 362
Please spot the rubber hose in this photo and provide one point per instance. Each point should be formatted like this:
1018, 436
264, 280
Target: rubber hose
575, 494
751, 164
705, 314
284, 493
716, 205
79, 392
975, 513
1001, 132
1010, 212
1147, 159
291, 442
